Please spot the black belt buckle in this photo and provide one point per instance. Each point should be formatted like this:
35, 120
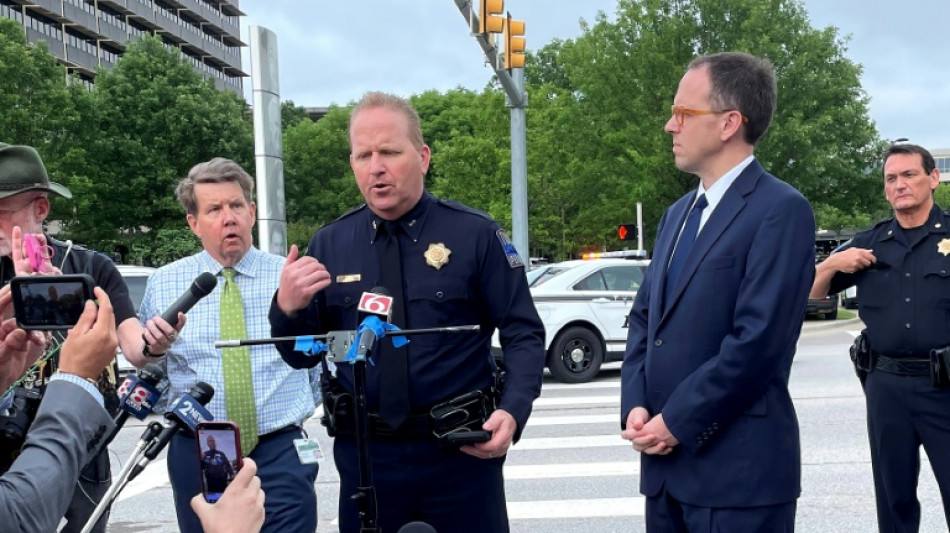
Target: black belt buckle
463, 413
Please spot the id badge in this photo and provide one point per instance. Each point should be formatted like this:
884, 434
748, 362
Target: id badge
308, 451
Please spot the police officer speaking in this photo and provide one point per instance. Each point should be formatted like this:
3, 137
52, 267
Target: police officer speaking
444, 264
901, 267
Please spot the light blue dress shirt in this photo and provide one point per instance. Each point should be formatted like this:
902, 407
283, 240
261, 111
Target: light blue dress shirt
284, 396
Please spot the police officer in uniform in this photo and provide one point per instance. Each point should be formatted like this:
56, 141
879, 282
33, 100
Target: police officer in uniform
901, 267
453, 266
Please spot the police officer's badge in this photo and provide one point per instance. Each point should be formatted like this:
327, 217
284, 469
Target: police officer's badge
437, 255
943, 247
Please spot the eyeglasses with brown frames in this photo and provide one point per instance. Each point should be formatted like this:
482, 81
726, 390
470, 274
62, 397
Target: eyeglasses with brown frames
681, 113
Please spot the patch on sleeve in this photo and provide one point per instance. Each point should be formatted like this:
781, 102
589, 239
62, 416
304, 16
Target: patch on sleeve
514, 260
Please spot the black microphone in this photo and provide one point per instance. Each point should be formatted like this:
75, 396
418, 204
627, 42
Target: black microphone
201, 287
416, 527
379, 303
185, 413
137, 396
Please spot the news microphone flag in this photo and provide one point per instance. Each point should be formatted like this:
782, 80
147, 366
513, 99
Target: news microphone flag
138, 397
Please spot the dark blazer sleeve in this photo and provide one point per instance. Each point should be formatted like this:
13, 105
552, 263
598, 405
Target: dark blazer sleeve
69, 428
633, 382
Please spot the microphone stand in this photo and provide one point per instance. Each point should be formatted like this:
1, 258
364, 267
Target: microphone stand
365, 496
122, 480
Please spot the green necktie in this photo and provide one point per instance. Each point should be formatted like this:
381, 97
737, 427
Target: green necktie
236, 362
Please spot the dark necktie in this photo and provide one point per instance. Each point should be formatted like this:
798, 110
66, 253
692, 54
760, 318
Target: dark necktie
393, 362
685, 244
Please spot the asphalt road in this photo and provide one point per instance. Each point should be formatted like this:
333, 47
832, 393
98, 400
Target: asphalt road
571, 472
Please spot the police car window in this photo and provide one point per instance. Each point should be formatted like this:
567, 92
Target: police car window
623, 278
593, 282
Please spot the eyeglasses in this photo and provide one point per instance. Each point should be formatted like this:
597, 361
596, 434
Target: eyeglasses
681, 113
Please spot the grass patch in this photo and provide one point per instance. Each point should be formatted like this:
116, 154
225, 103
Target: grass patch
844, 314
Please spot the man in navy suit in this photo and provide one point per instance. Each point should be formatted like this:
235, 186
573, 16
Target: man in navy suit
713, 330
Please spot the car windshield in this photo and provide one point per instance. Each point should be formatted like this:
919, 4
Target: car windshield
136, 286
538, 276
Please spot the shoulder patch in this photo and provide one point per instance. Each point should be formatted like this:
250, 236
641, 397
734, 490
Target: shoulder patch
511, 254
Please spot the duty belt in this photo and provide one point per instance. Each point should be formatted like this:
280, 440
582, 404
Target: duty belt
902, 366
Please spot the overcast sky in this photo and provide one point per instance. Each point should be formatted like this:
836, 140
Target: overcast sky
333, 52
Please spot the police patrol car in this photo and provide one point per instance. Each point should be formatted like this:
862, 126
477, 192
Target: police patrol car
584, 306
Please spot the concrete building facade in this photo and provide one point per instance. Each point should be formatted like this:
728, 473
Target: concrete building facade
88, 34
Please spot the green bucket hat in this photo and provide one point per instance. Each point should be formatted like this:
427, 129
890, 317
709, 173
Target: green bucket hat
21, 170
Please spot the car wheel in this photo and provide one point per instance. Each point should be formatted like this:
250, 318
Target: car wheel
575, 356
830, 315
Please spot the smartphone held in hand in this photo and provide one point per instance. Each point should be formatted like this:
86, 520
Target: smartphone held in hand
219, 456
50, 302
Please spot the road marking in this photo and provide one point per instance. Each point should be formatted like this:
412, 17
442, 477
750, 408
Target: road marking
581, 386
573, 420
579, 443
569, 470
577, 400
155, 475
586, 508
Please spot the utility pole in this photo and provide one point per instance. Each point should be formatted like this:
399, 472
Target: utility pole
510, 73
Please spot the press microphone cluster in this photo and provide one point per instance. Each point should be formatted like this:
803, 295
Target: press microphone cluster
201, 287
184, 413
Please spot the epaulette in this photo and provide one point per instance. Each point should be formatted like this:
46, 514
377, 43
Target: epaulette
348, 214
452, 204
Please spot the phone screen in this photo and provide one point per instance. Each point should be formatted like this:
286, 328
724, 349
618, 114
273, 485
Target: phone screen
50, 302
219, 454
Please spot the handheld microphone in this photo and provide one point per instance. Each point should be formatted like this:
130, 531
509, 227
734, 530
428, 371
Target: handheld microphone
137, 396
201, 287
376, 303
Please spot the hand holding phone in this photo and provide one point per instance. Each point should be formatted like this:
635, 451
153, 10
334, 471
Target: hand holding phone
219, 455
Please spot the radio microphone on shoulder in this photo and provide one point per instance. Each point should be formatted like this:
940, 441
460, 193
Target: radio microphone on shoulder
201, 287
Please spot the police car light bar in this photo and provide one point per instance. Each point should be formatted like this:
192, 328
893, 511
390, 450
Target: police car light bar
628, 254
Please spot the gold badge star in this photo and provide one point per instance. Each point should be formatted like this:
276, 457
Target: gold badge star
943, 247
437, 255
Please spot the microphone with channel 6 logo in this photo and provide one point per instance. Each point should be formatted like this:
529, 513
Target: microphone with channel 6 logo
377, 303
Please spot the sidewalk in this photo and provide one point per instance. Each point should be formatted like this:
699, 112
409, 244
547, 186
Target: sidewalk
818, 325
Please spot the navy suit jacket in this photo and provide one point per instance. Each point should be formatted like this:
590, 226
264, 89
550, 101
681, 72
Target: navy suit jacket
69, 430
715, 359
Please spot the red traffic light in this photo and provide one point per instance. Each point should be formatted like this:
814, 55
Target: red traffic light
626, 232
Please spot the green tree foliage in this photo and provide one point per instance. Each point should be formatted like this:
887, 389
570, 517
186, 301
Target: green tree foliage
39, 109
153, 118
623, 74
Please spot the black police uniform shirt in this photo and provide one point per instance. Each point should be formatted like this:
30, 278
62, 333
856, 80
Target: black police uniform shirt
904, 298
483, 282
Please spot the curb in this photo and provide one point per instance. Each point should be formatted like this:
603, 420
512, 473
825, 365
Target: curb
829, 324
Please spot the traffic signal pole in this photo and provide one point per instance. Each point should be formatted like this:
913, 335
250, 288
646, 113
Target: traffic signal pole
517, 100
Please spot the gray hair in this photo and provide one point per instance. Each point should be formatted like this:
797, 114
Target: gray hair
218, 170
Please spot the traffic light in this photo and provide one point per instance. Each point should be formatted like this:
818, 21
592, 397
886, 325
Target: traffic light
514, 43
627, 232
490, 19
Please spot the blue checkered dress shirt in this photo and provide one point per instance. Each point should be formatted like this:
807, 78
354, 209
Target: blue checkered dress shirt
284, 396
